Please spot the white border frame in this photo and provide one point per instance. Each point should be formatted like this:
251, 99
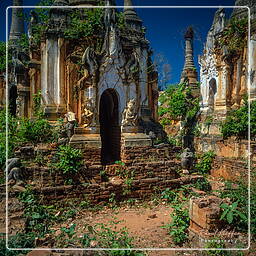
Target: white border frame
249, 135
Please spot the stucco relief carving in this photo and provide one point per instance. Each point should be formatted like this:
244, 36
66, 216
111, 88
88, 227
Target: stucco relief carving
87, 114
130, 117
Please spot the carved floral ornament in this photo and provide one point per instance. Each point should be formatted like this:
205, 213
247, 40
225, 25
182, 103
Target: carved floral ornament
208, 65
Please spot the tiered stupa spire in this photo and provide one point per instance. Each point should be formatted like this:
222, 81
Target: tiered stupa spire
189, 71
131, 16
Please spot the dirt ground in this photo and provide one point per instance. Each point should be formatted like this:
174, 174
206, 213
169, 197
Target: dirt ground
144, 224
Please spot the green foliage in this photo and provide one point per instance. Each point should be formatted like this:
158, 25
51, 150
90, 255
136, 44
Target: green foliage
204, 164
2, 56
23, 43
38, 217
165, 121
69, 231
106, 236
43, 21
85, 22
237, 212
234, 35
171, 196
236, 123
178, 102
126, 174
231, 213
179, 224
69, 160
36, 131
20, 240
214, 244
202, 185
12, 136
37, 107
208, 121
102, 236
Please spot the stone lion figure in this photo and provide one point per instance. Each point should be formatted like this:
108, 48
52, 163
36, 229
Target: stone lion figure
129, 114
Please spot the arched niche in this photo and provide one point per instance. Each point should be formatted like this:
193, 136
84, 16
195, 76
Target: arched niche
212, 93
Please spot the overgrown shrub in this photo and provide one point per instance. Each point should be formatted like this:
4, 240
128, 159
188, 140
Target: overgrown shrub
237, 122
204, 163
69, 161
36, 131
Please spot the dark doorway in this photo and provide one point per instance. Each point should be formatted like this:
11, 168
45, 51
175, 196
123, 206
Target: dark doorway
110, 130
212, 92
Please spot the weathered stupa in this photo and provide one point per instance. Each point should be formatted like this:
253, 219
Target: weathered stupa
100, 75
226, 77
189, 72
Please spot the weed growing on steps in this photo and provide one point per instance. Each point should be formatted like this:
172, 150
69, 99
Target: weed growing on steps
127, 175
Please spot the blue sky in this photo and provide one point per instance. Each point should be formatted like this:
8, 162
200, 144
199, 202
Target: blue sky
165, 27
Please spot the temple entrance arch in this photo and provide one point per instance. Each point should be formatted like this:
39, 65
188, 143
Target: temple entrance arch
212, 93
110, 130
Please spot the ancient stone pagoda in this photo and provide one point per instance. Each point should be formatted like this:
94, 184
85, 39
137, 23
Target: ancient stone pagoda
104, 78
189, 72
224, 72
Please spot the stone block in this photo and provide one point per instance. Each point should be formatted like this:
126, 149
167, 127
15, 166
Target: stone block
204, 213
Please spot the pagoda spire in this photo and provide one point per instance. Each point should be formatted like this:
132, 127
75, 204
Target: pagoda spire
17, 23
189, 71
131, 16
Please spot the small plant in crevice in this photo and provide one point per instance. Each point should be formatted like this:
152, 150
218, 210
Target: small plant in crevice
112, 200
103, 175
126, 174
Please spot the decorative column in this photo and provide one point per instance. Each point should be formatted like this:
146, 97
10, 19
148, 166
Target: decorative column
53, 65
